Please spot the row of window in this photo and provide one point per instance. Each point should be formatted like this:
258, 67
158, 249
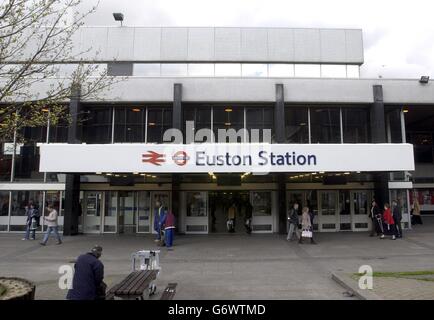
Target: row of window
302, 124
245, 70
137, 124
270, 70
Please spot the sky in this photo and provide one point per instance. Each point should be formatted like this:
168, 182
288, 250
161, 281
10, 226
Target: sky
398, 35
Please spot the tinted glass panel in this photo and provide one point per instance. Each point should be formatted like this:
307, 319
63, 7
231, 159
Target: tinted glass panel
394, 120
260, 119
201, 118
355, 125
296, 125
97, 127
325, 125
129, 124
159, 120
228, 118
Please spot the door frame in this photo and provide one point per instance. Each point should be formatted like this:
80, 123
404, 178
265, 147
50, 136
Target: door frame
101, 213
137, 193
353, 215
322, 218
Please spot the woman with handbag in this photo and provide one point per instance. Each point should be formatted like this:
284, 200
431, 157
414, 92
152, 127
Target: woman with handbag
388, 220
306, 226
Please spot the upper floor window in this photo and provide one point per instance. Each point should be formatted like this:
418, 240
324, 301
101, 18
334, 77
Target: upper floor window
297, 125
325, 125
355, 125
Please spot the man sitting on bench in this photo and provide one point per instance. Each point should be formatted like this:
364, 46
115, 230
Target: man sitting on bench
88, 283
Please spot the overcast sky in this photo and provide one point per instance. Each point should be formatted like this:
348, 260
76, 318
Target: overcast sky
398, 35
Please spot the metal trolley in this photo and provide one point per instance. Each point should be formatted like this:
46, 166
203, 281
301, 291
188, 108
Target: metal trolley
147, 260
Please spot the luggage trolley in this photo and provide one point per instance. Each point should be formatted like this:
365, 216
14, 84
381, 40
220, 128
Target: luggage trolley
147, 260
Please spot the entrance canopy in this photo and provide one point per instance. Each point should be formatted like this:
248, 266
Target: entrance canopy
225, 157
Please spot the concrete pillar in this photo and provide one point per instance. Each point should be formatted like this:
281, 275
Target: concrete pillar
177, 124
72, 184
378, 135
279, 134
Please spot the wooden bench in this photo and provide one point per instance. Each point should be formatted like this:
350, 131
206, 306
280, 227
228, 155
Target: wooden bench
134, 286
169, 292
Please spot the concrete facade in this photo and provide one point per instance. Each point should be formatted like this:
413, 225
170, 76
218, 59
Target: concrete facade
207, 44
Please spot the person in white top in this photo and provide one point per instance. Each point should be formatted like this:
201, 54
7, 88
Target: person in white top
51, 221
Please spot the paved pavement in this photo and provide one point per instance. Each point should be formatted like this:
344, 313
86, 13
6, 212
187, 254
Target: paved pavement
229, 266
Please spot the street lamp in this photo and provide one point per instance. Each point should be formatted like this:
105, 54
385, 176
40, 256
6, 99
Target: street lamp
118, 17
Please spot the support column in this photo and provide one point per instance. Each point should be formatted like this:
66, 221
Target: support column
176, 124
378, 135
72, 184
279, 134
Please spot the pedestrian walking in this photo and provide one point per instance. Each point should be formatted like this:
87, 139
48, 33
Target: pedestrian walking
169, 229
306, 226
87, 283
232, 212
416, 217
52, 226
312, 217
293, 223
375, 215
32, 221
248, 212
159, 216
397, 217
389, 222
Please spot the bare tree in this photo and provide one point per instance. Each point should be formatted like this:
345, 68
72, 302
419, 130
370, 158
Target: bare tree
36, 43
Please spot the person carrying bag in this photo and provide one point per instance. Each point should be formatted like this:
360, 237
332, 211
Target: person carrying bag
306, 226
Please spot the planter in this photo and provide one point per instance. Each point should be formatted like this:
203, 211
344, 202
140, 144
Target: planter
16, 289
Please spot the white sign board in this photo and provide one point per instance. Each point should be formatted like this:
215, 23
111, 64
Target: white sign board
229, 157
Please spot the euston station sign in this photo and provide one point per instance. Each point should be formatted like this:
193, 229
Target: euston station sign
229, 157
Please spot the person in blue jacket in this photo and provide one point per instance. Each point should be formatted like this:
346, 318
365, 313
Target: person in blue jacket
88, 283
159, 217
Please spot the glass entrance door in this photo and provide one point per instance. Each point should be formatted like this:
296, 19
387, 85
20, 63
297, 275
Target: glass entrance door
360, 204
143, 212
127, 212
92, 211
328, 211
110, 212
345, 210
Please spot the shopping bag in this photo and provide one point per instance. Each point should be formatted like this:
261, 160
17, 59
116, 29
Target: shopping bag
306, 234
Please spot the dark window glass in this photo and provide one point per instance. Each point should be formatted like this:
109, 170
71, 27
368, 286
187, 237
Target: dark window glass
201, 116
6, 151
27, 153
159, 120
259, 118
228, 118
59, 133
97, 127
423, 147
355, 125
325, 125
296, 125
394, 121
129, 124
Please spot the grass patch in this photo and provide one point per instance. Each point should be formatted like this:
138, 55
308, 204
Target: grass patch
414, 275
399, 274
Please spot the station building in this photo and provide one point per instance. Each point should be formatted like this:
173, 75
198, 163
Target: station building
370, 138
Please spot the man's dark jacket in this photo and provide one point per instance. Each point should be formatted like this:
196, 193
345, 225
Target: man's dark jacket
88, 278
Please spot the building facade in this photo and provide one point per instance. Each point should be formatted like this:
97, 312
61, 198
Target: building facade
302, 86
